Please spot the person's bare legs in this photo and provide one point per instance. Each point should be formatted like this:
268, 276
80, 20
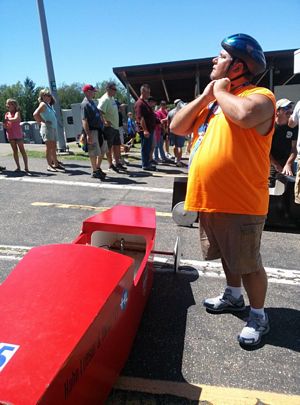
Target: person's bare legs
256, 285
98, 162
116, 151
93, 160
233, 280
109, 157
24, 155
53, 153
49, 153
14, 147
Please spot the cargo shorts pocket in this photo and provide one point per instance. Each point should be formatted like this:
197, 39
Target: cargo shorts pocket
250, 239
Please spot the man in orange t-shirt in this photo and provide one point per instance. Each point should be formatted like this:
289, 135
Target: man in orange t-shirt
233, 124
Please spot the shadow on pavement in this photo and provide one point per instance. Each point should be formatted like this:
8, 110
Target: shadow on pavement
285, 329
32, 173
158, 348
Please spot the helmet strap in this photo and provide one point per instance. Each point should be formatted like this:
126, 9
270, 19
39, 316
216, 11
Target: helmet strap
238, 76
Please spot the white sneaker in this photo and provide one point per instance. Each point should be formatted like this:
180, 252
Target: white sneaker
254, 329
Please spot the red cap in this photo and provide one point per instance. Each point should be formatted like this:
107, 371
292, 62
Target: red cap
88, 87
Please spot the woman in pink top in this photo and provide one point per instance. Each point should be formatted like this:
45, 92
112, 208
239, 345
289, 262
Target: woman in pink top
14, 133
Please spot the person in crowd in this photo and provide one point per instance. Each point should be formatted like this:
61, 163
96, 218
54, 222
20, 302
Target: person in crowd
160, 130
131, 129
174, 139
110, 114
14, 133
146, 122
228, 176
152, 102
93, 130
294, 120
123, 148
283, 149
46, 116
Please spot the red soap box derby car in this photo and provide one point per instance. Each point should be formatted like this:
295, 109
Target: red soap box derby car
70, 312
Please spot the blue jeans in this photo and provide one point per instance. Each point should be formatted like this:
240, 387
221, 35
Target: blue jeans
159, 147
146, 144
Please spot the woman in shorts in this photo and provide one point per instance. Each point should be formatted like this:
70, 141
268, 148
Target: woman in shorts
46, 116
14, 133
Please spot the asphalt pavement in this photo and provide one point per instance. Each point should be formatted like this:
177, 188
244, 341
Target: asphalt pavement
181, 354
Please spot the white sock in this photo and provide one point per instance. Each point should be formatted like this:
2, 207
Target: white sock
258, 311
236, 292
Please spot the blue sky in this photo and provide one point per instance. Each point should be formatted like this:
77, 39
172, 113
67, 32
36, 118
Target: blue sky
89, 37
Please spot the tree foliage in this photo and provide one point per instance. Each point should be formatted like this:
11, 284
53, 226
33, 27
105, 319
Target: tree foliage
27, 95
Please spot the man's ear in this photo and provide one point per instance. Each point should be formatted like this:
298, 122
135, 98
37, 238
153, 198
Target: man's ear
238, 67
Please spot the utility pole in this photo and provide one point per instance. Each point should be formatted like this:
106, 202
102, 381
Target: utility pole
51, 78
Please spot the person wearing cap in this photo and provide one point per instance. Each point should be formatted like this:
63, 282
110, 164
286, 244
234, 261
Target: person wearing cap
146, 121
283, 149
294, 120
92, 126
109, 108
233, 123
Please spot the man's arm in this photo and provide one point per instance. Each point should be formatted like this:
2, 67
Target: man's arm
276, 164
183, 121
293, 122
294, 118
254, 111
287, 169
86, 128
144, 126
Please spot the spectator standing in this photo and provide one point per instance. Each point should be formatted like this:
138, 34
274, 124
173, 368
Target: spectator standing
160, 131
146, 122
14, 133
294, 120
152, 102
110, 114
131, 128
46, 116
283, 149
93, 129
228, 176
174, 139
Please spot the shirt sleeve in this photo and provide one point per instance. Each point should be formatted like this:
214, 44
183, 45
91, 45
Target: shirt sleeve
296, 113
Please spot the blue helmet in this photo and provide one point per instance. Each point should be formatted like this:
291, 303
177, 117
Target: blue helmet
247, 49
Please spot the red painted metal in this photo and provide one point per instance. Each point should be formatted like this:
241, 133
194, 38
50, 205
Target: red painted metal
70, 312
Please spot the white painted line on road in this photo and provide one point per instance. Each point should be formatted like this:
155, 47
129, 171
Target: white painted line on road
10, 258
215, 270
88, 184
85, 207
203, 268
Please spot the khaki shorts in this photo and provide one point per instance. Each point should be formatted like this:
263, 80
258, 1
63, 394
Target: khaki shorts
233, 237
94, 148
297, 184
48, 133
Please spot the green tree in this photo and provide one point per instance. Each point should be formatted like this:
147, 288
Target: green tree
69, 94
29, 99
121, 95
26, 95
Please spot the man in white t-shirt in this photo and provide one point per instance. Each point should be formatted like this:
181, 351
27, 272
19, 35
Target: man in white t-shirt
294, 120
